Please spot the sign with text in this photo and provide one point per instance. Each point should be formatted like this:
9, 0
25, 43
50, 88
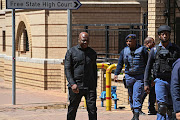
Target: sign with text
43, 4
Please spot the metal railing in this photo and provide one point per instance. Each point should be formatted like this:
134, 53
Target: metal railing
109, 39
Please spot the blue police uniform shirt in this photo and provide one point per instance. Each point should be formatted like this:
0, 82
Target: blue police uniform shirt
175, 85
121, 61
151, 60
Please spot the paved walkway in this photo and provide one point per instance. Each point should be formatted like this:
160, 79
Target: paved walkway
34, 104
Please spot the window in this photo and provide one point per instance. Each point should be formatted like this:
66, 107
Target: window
25, 41
24, 44
4, 40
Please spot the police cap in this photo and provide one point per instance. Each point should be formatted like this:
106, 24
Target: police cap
131, 36
164, 28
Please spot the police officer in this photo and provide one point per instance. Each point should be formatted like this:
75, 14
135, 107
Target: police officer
175, 88
161, 58
134, 56
149, 43
81, 73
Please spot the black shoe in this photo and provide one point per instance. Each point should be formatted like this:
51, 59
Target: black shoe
135, 116
141, 113
154, 112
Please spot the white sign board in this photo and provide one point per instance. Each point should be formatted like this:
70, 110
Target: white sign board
43, 4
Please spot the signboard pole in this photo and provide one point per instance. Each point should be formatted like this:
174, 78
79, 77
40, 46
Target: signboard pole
69, 29
13, 59
69, 34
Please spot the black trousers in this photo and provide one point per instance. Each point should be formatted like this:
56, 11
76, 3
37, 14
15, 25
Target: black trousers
75, 99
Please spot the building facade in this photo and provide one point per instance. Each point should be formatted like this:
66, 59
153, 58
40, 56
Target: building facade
41, 37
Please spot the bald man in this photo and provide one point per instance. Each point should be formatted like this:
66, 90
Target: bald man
149, 43
81, 73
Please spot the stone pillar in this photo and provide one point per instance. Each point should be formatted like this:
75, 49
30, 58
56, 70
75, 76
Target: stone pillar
156, 17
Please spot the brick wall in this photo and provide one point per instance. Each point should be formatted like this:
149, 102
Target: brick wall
106, 14
36, 73
56, 34
3, 4
2, 66
50, 43
156, 10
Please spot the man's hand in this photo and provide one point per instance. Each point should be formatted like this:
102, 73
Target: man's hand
178, 116
75, 88
152, 83
146, 88
115, 78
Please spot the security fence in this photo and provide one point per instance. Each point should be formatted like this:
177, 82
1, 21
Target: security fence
109, 39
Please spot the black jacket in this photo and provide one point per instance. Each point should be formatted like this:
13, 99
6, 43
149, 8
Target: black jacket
81, 68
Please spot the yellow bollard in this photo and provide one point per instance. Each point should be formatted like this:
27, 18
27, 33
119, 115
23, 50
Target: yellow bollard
102, 65
85, 103
108, 86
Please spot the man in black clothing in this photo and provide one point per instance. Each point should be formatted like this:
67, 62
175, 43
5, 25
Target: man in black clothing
81, 73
